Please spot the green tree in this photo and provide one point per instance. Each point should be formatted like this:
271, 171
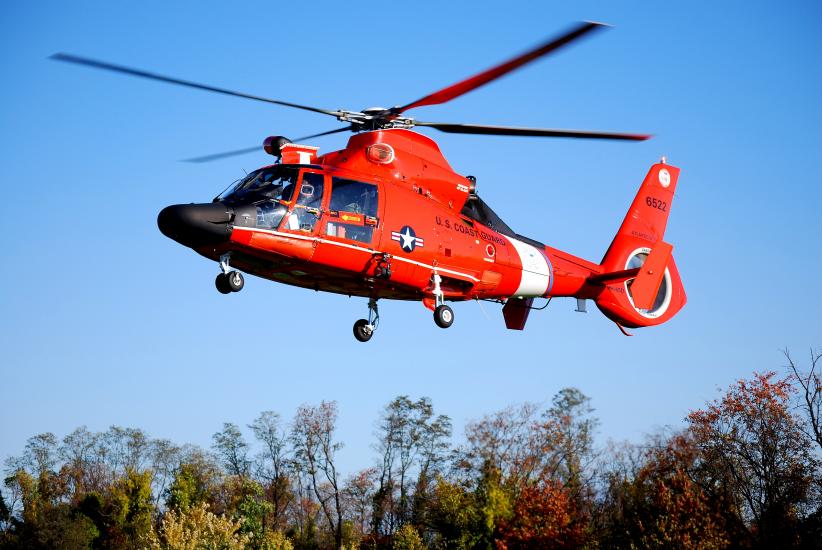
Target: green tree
413, 444
251, 510
232, 447
407, 538
272, 464
129, 509
453, 516
194, 483
47, 522
197, 528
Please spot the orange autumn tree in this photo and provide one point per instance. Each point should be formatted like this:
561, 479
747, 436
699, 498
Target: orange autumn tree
544, 515
756, 458
651, 500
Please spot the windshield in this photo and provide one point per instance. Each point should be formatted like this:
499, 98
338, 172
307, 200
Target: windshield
274, 182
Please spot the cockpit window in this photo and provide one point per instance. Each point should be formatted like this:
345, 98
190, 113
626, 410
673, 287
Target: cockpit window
354, 196
352, 210
274, 182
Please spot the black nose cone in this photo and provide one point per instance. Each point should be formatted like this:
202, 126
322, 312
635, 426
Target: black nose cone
196, 225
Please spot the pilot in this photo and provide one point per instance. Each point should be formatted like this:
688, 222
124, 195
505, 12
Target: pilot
362, 200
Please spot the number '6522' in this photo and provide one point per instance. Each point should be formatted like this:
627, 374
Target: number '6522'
655, 203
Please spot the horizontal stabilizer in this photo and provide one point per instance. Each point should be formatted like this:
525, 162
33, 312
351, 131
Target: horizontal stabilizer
614, 276
646, 285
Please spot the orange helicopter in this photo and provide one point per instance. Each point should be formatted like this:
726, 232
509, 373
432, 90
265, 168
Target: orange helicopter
388, 218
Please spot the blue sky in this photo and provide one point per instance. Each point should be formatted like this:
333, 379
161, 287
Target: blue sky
105, 321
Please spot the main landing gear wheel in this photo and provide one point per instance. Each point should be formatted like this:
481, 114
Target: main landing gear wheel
221, 282
363, 330
443, 316
235, 281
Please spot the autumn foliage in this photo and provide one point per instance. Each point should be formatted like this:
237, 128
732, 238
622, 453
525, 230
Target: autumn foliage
743, 472
543, 516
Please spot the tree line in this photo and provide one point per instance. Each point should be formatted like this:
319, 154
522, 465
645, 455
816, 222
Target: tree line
743, 472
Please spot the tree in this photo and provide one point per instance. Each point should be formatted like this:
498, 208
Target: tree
5, 513
45, 520
755, 457
41, 453
124, 449
359, 493
272, 464
196, 528
527, 445
165, 457
653, 501
78, 452
232, 447
312, 438
407, 538
129, 509
570, 425
251, 510
412, 440
543, 516
811, 384
453, 515
195, 482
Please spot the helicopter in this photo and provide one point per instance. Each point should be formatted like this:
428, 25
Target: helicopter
388, 218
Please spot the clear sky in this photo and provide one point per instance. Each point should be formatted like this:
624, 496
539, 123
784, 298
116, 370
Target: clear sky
105, 321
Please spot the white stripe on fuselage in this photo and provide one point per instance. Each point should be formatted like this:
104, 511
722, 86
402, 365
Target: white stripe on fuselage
535, 271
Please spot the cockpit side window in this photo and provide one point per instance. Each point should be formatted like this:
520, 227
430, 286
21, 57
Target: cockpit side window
309, 201
272, 193
354, 196
352, 210
274, 182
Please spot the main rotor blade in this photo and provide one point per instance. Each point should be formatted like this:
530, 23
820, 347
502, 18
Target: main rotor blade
327, 133
465, 86
534, 132
69, 58
226, 154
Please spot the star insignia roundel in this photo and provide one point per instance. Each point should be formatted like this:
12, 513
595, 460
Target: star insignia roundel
407, 238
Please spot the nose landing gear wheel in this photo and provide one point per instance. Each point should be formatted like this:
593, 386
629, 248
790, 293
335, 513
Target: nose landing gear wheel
443, 316
235, 281
363, 331
229, 282
221, 282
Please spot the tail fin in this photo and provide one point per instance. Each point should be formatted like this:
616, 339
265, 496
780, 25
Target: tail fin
639, 258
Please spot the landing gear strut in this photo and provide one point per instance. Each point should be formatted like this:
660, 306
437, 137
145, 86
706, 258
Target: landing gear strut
228, 281
443, 315
364, 328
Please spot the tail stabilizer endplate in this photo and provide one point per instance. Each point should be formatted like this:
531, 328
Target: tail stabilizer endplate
646, 285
